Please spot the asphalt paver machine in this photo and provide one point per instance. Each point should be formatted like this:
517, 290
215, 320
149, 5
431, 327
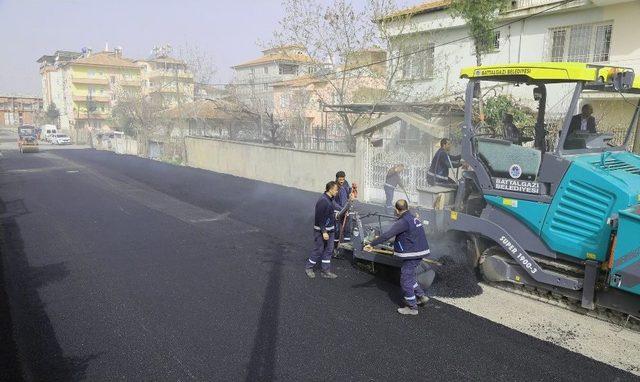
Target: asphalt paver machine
557, 213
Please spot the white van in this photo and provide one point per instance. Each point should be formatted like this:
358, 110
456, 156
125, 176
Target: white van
48, 131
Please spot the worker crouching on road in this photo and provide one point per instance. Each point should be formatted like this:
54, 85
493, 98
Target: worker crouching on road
411, 246
323, 233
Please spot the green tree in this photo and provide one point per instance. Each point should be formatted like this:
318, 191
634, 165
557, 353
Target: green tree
52, 113
481, 17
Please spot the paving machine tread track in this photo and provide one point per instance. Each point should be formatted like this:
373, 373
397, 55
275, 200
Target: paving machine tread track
557, 299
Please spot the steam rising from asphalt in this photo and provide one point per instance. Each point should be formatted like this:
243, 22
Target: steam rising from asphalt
456, 277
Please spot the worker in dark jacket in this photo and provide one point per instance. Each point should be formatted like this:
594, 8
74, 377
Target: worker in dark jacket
341, 200
438, 173
391, 181
410, 246
323, 233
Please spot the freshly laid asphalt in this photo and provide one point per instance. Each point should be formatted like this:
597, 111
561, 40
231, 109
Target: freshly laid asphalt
121, 268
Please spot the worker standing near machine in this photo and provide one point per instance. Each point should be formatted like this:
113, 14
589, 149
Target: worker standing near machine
341, 200
391, 181
438, 173
411, 246
323, 233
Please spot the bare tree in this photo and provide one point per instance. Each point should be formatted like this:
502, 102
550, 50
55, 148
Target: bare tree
138, 116
333, 35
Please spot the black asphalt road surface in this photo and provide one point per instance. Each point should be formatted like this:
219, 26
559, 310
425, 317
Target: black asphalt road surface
120, 268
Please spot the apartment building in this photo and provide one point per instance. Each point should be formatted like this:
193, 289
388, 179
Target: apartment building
19, 110
253, 80
167, 80
84, 86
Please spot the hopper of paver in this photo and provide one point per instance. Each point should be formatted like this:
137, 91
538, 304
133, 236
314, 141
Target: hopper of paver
625, 271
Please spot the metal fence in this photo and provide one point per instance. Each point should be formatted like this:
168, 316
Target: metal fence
312, 142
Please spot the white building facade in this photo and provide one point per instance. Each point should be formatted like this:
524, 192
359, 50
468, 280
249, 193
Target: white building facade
592, 31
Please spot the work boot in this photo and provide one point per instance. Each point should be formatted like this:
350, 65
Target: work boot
422, 300
408, 311
329, 275
310, 273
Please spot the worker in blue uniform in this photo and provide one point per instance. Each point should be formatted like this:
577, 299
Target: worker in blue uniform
438, 173
343, 233
391, 181
410, 246
323, 233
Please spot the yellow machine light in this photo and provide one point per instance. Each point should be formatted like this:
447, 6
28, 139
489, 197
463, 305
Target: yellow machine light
518, 278
454, 215
510, 202
591, 256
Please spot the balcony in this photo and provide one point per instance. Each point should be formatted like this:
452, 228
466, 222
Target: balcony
84, 98
135, 83
525, 5
181, 74
94, 115
90, 81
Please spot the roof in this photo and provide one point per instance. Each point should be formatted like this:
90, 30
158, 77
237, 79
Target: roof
276, 57
548, 72
104, 59
424, 7
165, 59
436, 126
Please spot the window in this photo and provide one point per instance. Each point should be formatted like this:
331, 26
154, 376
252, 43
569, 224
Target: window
496, 41
284, 101
91, 73
494, 45
557, 44
253, 71
580, 43
417, 61
287, 69
266, 87
266, 70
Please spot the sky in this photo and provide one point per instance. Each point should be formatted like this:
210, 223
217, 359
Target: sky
230, 32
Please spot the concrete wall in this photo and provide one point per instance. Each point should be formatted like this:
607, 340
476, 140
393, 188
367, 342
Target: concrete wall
126, 145
306, 170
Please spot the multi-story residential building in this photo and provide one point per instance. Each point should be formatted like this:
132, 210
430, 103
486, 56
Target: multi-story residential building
167, 80
252, 83
85, 86
19, 110
591, 31
301, 104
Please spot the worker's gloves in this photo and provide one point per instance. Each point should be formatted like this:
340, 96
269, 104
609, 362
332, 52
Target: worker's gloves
368, 248
325, 236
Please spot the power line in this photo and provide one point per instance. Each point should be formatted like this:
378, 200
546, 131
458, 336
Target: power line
468, 36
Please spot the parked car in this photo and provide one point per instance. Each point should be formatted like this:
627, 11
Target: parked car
48, 131
60, 139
